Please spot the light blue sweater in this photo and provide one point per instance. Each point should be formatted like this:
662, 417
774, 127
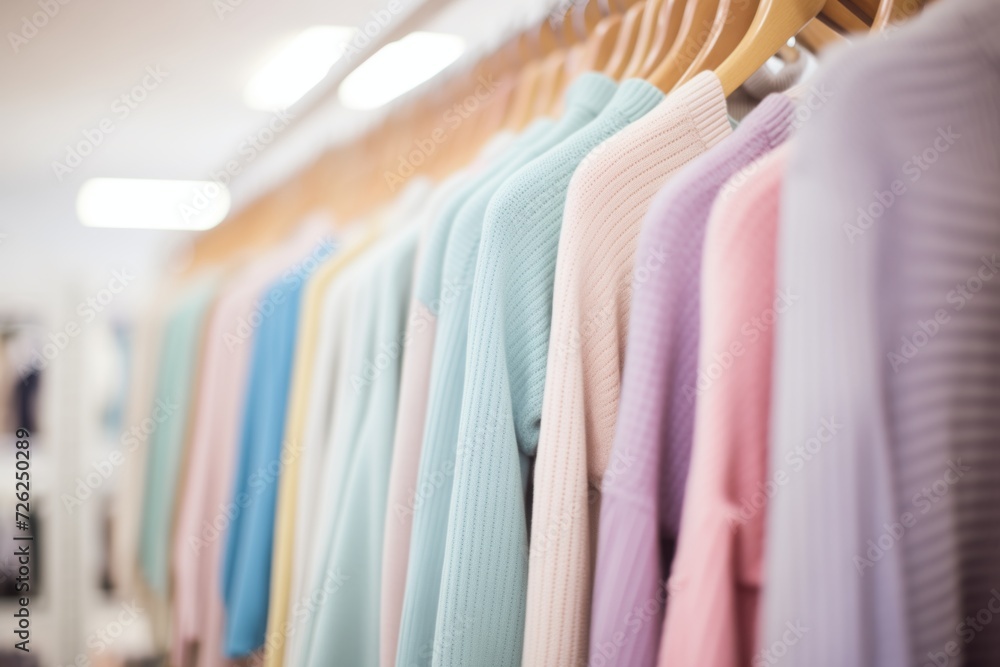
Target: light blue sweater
345, 626
585, 99
480, 619
246, 564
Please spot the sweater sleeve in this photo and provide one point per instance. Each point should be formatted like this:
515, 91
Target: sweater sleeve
608, 196
250, 548
715, 581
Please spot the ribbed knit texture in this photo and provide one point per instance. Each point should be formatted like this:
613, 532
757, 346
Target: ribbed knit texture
305, 388
586, 97
715, 580
414, 379
246, 565
176, 380
644, 479
884, 543
335, 417
205, 510
321, 328
481, 610
428, 302
607, 199
346, 622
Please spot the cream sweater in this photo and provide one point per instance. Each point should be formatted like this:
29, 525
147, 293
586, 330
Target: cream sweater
607, 199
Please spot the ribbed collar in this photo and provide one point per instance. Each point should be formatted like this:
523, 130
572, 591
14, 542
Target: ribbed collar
632, 100
590, 92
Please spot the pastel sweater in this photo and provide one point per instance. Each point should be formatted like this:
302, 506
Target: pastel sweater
259, 461
351, 298
480, 617
205, 509
607, 199
175, 384
715, 581
346, 621
298, 447
418, 348
884, 540
308, 413
586, 97
643, 484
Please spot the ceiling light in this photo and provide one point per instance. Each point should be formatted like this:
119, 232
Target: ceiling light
152, 204
398, 67
297, 68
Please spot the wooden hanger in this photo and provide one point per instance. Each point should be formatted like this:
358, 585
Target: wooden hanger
668, 27
628, 36
693, 31
845, 17
730, 27
775, 22
601, 45
818, 36
644, 40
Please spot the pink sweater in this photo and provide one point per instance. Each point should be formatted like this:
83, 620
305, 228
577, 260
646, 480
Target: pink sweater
607, 199
198, 610
716, 579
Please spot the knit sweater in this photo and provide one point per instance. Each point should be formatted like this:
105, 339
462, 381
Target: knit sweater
203, 514
304, 388
884, 540
585, 99
607, 199
418, 348
715, 581
260, 458
308, 411
346, 622
176, 380
643, 487
481, 610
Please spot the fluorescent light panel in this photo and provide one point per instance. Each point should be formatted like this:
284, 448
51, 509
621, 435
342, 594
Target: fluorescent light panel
152, 204
297, 68
398, 67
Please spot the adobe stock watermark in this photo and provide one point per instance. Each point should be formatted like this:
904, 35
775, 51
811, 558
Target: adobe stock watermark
430, 482
425, 147
88, 309
923, 502
129, 441
391, 351
958, 298
912, 171
121, 109
104, 638
796, 459
266, 305
751, 332
248, 149
772, 655
259, 479
304, 608
595, 320
967, 630
31, 25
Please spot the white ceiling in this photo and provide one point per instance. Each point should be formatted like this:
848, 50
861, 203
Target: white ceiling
66, 79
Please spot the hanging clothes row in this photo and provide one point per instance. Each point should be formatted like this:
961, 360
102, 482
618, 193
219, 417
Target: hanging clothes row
701, 369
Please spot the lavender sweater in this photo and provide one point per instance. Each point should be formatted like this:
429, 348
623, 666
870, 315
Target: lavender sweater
643, 487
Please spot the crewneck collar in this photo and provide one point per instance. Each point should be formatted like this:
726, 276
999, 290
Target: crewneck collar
632, 100
590, 92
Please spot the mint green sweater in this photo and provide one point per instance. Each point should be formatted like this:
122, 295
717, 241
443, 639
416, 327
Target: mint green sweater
175, 383
345, 626
584, 100
480, 618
